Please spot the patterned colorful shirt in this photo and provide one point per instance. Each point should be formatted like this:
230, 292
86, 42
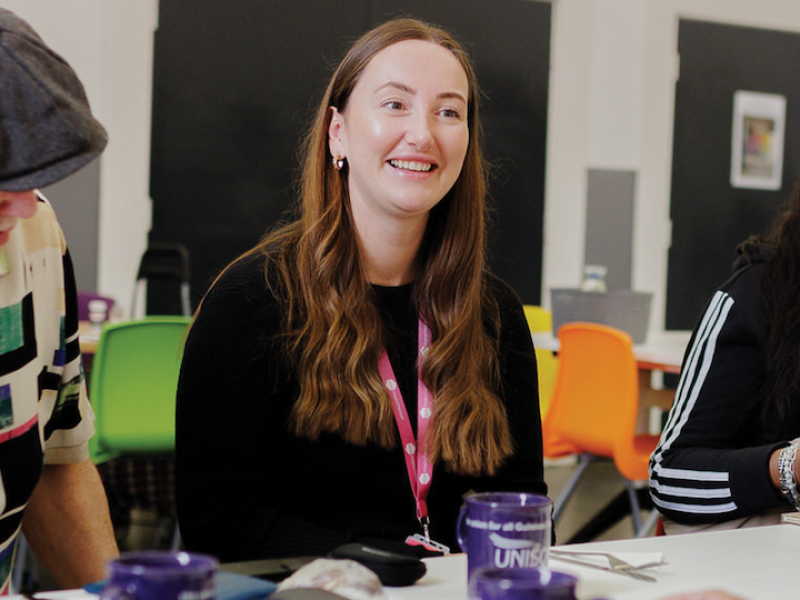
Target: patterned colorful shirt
45, 416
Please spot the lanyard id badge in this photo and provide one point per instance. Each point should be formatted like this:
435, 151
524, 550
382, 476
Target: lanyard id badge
418, 465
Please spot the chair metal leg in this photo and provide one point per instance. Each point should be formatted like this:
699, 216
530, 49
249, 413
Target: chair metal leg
584, 460
185, 301
138, 291
636, 508
23, 566
176, 537
649, 524
641, 529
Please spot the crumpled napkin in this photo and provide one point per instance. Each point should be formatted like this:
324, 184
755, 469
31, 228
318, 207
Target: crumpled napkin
347, 578
60, 595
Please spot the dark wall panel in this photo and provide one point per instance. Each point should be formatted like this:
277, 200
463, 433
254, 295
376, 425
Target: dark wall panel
509, 41
235, 85
709, 216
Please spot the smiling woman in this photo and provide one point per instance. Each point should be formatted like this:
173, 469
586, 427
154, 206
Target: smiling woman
403, 132
364, 347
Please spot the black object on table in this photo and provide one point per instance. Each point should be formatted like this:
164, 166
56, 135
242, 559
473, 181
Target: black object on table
392, 569
272, 569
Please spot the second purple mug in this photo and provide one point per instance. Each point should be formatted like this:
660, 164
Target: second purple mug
159, 575
522, 584
505, 530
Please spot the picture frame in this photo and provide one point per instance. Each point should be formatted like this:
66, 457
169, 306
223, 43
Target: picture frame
758, 139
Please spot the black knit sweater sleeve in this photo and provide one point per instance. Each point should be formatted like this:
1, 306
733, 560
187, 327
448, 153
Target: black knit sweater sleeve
232, 405
519, 386
711, 464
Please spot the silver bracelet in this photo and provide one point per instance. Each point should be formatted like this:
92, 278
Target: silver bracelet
786, 460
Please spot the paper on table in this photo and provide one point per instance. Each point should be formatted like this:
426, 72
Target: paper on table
66, 595
672, 588
791, 517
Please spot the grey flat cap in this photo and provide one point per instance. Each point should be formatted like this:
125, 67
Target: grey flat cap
46, 128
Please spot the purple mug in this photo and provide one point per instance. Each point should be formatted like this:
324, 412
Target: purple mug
505, 530
522, 584
159, 575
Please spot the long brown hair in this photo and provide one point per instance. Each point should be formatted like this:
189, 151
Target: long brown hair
333, 332
780, 286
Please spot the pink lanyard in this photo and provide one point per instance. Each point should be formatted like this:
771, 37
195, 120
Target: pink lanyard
420, 469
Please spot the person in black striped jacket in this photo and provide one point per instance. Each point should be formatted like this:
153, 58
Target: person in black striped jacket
726, 457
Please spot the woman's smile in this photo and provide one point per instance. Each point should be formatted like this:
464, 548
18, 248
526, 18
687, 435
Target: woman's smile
412, 165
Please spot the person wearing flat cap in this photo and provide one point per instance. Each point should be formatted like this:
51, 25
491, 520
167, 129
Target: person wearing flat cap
49, 488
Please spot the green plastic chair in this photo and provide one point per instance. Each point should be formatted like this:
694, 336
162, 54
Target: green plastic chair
134, 379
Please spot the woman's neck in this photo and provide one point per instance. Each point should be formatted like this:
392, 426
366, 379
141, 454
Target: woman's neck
390, 266
389, 254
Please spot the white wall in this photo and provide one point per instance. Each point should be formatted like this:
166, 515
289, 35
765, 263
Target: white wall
611, 107
109, 43
614, 65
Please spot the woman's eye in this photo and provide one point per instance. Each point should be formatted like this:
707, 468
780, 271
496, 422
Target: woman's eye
450, 113
394, 105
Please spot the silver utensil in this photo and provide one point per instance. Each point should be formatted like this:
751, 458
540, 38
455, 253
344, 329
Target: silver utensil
614, 561
617, 565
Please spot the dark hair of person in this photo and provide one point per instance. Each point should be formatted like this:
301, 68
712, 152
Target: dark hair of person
332, 330
780, 287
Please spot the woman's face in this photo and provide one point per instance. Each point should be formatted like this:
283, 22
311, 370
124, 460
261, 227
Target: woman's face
404, 131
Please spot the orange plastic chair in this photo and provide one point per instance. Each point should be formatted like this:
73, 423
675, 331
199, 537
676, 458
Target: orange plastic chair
595, 408
553, 445
541, 319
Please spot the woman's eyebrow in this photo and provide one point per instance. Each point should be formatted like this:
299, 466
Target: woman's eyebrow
455, 95
409, 90
400, 86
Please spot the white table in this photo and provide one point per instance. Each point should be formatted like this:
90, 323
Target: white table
662, 351
759, 563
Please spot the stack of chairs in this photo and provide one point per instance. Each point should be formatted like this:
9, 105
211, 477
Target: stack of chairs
133, 384
132, 390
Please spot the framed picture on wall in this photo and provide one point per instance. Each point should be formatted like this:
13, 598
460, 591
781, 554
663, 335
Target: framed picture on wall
757, 143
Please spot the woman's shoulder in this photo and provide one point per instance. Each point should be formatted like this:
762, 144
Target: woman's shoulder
242, 281
744, 289
748, 270
752, 257
239, 302
505, 296
506, 306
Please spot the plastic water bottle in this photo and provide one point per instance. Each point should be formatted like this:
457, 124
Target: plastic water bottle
97, 314
594, 278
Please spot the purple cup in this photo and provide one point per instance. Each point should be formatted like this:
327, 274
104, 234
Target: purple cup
522, 584
158, 575
505, 530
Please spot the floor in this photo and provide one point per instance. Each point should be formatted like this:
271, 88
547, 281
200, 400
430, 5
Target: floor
599, 485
